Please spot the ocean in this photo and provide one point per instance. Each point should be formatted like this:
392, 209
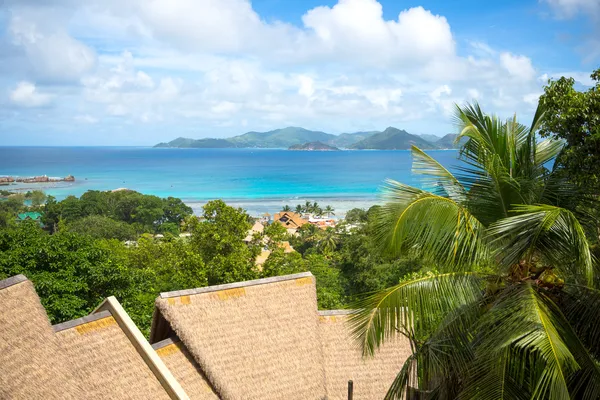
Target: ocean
258, 180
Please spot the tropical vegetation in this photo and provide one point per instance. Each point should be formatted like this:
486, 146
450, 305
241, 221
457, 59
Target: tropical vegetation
510, 306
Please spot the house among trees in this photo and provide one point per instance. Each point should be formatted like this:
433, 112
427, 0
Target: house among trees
292, 221
30, 216
260, 339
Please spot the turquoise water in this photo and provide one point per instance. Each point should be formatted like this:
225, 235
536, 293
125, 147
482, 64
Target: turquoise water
259, 180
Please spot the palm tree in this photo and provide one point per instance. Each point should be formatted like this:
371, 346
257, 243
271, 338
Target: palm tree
308, 207
286, 208
329, 211
511, 309
328, 240
299, 209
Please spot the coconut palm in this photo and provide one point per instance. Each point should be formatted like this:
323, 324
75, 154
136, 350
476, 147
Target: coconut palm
286, 208
299, 209
326, 240
329, 211
308, 207
511, 308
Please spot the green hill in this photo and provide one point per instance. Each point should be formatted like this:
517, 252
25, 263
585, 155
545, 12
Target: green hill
313, 146
430, 138
447, 142
199, 143
285, 138
393, 139
345, 140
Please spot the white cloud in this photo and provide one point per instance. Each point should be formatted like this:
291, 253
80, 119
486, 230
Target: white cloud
25, 94
307, 86
518, 66
356, 28
51, 53
569, 8
437, 92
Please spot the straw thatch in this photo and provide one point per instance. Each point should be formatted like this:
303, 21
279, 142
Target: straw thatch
372, 377
31, 364
185, 369
105, 361
254, 340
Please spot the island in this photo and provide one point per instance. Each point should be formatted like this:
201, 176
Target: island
313, 146
296, 137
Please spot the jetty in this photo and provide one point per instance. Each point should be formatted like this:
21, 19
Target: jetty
35, 179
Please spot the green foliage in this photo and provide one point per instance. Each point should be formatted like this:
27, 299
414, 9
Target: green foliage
356, 216
280, 263
71, 273
329, 282
144, 212
219, 240
499, 315
100, 227
276, 232
574, 117
37, 198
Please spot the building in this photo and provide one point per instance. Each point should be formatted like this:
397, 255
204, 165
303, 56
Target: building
30, 216
290, 220
257, 228
260, 339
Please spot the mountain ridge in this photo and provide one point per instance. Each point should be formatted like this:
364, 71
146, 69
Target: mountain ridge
389, 139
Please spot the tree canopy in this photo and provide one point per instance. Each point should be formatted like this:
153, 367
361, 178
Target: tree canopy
574, 116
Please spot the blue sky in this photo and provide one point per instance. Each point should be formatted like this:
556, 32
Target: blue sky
137, 72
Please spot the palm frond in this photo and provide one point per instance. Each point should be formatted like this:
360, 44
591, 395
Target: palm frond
437, 178
434, 227
525, 322
417, 305
552, 232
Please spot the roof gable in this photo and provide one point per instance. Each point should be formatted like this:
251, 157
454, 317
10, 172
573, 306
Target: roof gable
105, 361
185, 369
240, 333
33, 367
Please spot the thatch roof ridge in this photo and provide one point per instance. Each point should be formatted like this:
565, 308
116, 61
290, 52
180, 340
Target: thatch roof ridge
13, 280
185, 369
152, 360
80, 321
325, 313
235, 285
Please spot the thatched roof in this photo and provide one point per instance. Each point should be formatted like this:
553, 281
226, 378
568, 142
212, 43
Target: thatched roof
372, 376
185, 369
253, 340
31, 363
105, 361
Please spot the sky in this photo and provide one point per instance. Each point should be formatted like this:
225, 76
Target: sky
139, 72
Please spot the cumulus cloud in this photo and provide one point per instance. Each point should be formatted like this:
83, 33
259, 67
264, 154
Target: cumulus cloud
51, 53
518, 66
357, 27
25, 94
